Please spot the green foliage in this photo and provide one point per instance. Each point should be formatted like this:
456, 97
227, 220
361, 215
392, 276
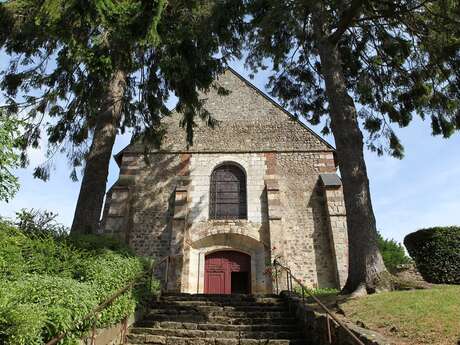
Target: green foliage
108, 272
9, 157
393, 253
63, 55
57, 304
20, 323
97, 243
324, 291
49, 283
320, 291
398, 59
12, 262
436, 252
39, 222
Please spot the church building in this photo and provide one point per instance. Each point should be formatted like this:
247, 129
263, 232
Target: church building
259, 185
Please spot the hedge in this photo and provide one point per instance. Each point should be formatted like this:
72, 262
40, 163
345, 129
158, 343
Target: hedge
436, 252
48, 284
37, 307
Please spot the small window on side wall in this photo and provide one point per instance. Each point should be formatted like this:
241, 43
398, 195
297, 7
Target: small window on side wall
228, 193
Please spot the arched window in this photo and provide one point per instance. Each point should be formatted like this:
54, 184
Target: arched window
228, 193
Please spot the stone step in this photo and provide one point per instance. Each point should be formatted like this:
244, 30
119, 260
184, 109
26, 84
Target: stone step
211, 306
196, 318
184, 319
215, 313
190, 333
136, 339
223, 298
197, 295
233, 302
223, 327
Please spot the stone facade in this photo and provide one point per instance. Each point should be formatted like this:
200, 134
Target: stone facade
160, 204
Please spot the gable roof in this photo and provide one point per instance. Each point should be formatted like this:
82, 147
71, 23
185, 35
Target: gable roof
253, 122
279, 106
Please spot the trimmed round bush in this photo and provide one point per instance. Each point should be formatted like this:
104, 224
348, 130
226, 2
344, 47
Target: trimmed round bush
436, 252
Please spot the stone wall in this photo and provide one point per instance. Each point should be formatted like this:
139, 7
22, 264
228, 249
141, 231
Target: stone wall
247, 121
149, 210
321, 330
161, 206
304, 218
113, 335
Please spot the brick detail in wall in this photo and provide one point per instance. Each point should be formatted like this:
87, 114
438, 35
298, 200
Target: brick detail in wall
116, 219
184, 167
270, 159
153, 203
326, 163
273, 198
128, 171
178, 234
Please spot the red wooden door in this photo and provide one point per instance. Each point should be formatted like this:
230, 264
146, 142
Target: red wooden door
218, 272
216, 282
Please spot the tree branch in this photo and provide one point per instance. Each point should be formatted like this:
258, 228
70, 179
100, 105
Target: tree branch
349, 15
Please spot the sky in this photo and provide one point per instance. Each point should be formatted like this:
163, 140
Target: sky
419, 191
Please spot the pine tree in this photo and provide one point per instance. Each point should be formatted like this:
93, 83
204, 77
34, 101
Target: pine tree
361, 64
9, 156
97, 68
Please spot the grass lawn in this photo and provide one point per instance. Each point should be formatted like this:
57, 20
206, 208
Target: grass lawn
429, 316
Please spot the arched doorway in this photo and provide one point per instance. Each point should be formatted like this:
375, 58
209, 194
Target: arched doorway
227, 272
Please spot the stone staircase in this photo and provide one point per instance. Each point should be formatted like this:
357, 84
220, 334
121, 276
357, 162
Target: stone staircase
183, 319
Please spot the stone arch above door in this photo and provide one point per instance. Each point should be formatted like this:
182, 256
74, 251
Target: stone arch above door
203, 231
228, 242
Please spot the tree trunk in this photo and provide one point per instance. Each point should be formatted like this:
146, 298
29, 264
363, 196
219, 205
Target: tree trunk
365, 261
92, 190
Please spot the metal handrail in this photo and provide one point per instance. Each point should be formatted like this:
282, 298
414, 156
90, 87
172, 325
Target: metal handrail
291, 277
114, 296
166, 259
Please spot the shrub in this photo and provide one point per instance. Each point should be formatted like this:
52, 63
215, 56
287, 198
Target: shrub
108, 272
21, 254
98, 243
319, 292
12, 263
39, 222
436, 252
20, 323
38, 307
393, 253
48, 283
